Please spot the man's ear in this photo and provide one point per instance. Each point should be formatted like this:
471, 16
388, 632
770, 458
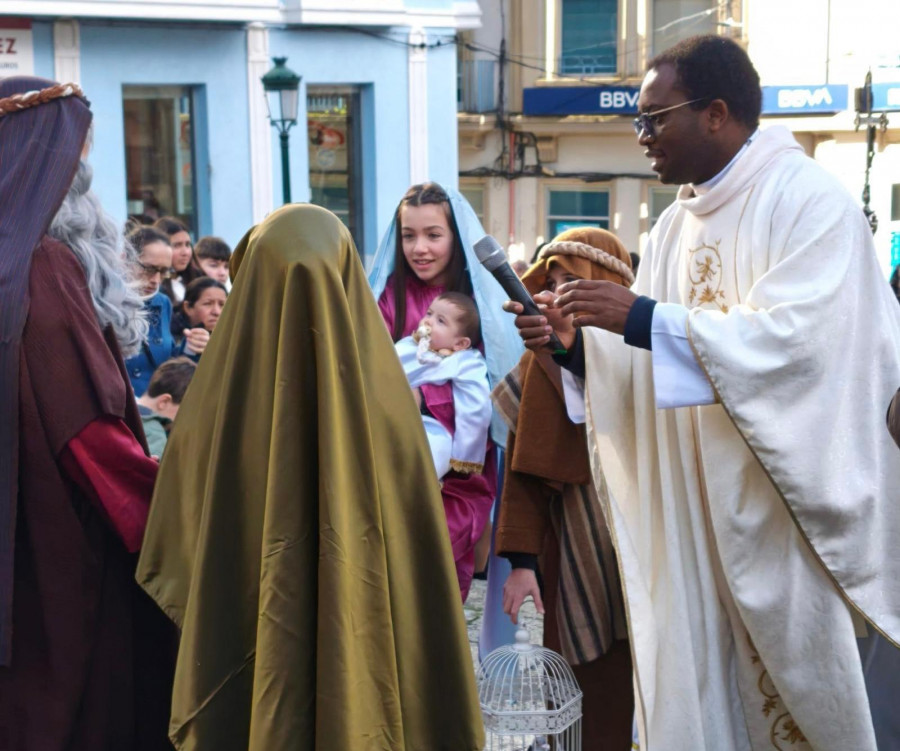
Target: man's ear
717, 114
462, 343
163, 401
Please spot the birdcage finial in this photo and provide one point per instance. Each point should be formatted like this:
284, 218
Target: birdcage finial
523, 640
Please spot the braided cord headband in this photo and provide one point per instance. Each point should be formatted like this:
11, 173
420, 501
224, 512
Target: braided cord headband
592, 254
28, 99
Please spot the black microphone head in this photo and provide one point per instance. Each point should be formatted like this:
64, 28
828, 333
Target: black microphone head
489, 252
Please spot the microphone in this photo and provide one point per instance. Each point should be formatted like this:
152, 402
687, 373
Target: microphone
492, 257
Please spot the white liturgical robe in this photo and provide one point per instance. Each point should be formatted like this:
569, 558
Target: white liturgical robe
754, 534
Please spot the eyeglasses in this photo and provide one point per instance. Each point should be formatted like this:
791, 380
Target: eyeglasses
164, 271
647, 121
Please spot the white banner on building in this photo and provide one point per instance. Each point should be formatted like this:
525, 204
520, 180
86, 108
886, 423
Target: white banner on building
16, 47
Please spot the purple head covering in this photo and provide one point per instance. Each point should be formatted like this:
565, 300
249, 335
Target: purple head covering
40, 148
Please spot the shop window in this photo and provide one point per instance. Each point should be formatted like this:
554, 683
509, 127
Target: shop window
660, 200
160, 163
576, 208
474, 194
589, 34
335, 167
674, 20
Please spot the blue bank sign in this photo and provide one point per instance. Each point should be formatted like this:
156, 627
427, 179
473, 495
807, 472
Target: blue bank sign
581, 100
885, 97
804, 100
825, 99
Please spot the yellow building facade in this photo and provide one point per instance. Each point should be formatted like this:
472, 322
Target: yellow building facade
548, 90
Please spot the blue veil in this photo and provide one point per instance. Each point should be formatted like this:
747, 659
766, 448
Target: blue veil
502, 345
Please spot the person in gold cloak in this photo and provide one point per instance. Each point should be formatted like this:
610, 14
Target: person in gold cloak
297, 535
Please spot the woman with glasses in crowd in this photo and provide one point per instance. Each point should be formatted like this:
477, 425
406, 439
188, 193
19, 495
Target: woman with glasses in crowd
153, 264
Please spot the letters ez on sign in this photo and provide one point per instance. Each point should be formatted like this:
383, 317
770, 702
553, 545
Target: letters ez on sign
16, 48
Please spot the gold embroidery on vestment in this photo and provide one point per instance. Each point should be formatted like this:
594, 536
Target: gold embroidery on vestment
784, 730
705, 274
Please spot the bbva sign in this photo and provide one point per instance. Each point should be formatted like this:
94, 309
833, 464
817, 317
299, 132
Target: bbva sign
804, 100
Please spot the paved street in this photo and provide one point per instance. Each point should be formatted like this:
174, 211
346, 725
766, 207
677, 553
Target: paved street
474, 608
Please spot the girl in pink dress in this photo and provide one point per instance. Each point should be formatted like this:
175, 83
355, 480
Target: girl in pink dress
431, 256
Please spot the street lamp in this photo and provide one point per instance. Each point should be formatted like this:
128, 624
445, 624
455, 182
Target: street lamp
282, 86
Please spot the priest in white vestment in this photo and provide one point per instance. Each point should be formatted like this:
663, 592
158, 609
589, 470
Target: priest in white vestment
754, 491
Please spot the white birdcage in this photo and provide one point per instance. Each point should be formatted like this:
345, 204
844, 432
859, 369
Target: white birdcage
529, 699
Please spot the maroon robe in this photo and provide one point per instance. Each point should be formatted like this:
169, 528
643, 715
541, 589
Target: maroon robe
92, 656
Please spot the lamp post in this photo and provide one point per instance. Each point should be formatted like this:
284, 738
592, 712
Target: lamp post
282, 86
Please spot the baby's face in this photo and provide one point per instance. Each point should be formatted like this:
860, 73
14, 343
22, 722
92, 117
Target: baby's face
442, 318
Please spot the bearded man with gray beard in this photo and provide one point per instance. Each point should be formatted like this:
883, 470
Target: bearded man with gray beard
86, 658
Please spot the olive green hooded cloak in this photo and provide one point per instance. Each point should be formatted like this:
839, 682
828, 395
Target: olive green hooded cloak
297, 535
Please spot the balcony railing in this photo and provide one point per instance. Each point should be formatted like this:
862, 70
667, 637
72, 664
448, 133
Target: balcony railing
477, 86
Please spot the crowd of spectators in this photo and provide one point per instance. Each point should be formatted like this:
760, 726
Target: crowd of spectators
184, 287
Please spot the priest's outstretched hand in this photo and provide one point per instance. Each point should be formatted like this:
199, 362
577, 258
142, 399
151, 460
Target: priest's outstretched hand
605, 305
595, 303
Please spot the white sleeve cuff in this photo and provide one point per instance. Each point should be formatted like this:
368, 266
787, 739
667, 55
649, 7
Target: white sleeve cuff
678, 379
573, 390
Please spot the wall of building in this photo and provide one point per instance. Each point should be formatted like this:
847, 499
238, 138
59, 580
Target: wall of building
443, 156
333, 57
42, 34
220, 49
214, 59
807, 44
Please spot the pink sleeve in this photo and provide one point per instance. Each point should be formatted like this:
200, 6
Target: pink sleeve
108, 464
386, 306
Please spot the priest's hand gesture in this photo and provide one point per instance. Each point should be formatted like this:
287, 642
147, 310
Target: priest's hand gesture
602, 304
605, 305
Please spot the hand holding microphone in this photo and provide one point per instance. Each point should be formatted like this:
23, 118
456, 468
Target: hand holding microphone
492, 257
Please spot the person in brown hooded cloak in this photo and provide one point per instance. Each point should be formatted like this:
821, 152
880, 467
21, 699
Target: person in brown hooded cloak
550, 516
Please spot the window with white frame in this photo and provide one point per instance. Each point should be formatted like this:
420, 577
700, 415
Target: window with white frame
660, 200
675, 20
474, 194
574, 207
161, 176
589, 37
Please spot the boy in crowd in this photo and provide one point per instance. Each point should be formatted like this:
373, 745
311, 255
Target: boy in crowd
213, 255
160, 404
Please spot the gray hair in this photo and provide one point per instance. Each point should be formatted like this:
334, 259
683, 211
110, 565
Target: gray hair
104, 254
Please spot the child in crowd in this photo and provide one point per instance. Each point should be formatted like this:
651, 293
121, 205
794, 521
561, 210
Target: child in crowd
444, 350
212, 254
159, 405
203, 301
152, 267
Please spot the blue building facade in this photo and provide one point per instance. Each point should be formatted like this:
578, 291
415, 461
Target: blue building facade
180, 118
